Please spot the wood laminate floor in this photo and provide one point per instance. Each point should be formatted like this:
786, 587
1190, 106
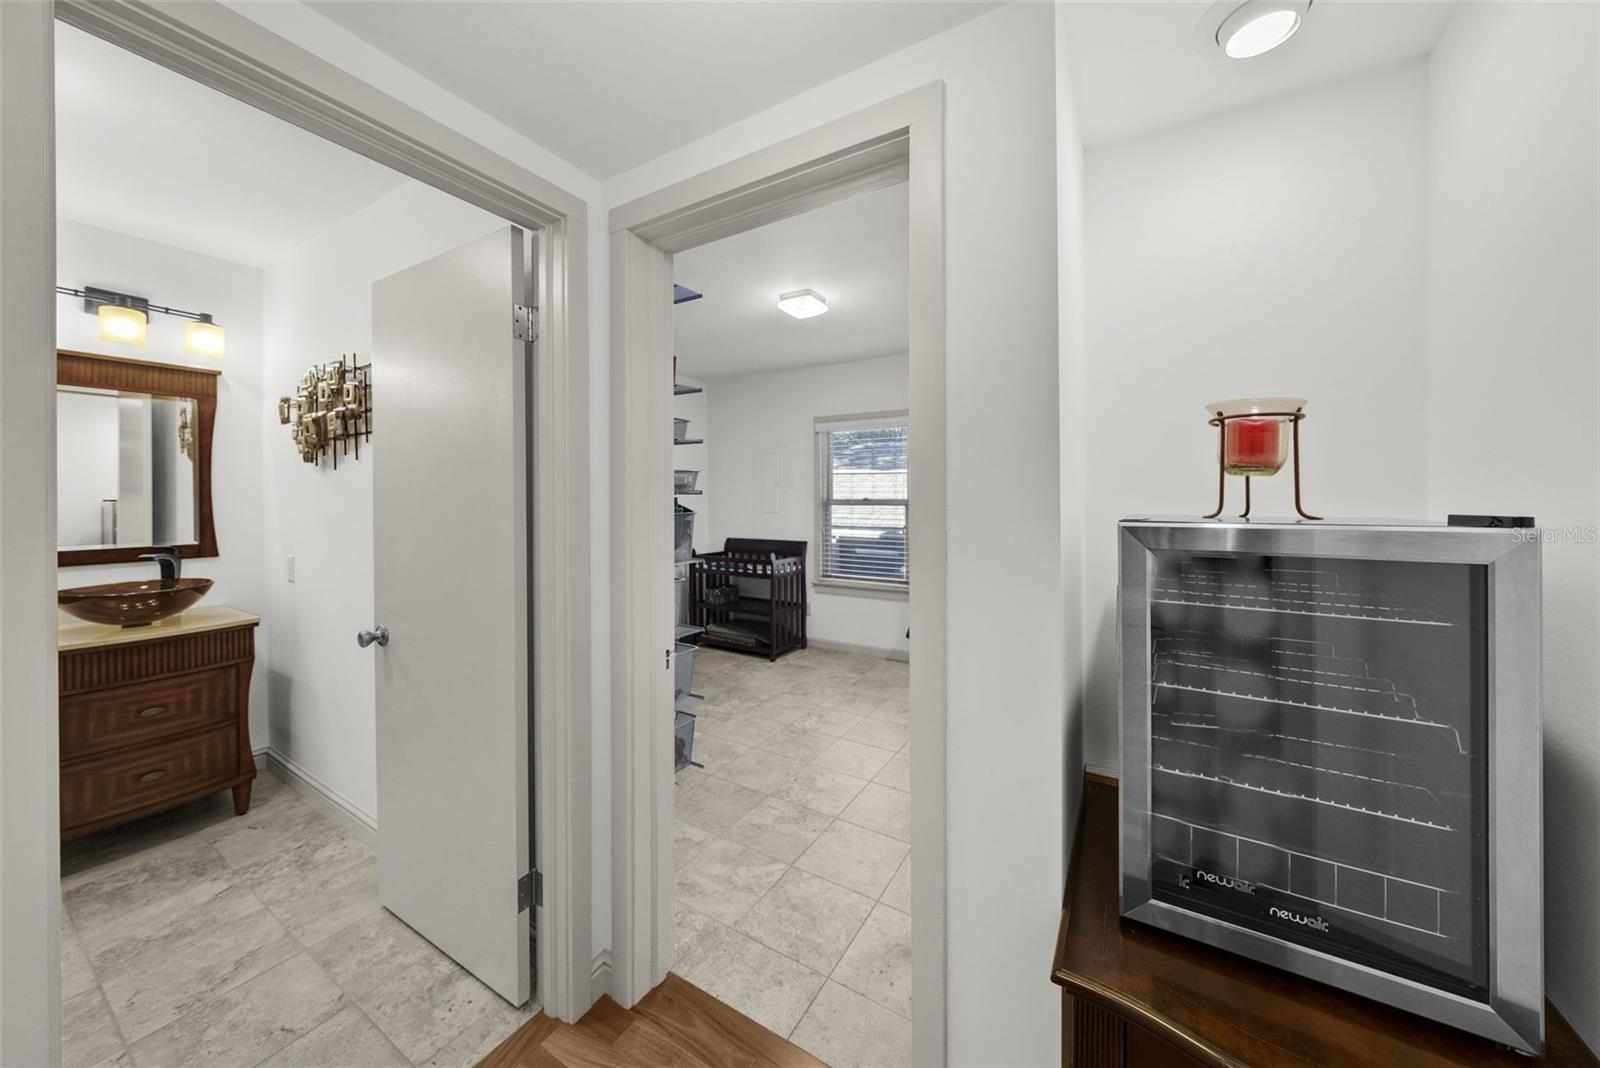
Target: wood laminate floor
676, 1025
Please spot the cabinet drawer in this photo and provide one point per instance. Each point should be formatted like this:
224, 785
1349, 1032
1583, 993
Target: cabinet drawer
146, 712
132, 779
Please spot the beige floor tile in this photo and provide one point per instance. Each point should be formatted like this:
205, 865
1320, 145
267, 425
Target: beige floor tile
878, 962
896, 773
796, 743
88, 1032
821, 789
689, 936
687, 841
325, 899
883, 809
780, 829
897, 895
854, 858
146, 892
760, 982
807, 919
248, 1023
853, 758
482, 1036
267, 830
712, 804
347, 1039
744, 728
890, 736
151, 983
76, 975
785, 708
761, 770
417, 996
714, 753
726, 879
847, 1030
827, 720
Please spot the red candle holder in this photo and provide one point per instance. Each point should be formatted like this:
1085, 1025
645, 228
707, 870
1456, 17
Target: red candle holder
1251, 442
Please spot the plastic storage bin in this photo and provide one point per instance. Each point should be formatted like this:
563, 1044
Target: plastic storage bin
683, 741
680, 429
683, 534
684, 481
683, 665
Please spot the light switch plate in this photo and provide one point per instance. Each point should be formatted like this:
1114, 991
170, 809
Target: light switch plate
289, 567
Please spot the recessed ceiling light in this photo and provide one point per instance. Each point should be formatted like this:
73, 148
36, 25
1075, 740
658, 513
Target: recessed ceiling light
1246, 30
803, 303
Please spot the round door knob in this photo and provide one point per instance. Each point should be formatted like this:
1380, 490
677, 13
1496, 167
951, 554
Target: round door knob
379, 634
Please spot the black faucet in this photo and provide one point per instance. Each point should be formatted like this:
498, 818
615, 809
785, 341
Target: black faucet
170, 559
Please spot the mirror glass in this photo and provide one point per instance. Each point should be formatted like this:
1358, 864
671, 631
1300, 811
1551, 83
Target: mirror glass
125, 469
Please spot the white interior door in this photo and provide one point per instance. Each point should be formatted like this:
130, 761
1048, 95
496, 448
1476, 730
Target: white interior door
450, 556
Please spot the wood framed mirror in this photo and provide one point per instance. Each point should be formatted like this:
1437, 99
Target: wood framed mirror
133, 458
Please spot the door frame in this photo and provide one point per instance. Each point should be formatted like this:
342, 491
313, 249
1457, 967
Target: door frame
899, 139
218, 47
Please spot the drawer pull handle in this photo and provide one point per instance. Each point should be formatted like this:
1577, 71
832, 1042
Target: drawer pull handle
152, 712
152, 776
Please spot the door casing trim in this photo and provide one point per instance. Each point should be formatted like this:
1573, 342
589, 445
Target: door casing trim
206, 41
897, 140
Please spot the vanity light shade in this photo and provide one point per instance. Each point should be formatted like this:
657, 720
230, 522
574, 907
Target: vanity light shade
803, 303
127, 326
204, 338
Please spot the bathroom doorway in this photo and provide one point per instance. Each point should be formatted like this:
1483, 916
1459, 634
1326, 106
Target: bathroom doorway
174, 921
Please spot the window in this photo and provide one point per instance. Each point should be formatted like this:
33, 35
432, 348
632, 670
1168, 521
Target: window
862, 506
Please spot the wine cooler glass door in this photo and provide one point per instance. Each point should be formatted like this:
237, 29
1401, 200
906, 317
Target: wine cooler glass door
1317, 762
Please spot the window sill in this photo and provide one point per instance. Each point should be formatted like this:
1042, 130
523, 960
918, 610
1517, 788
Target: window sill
891, 590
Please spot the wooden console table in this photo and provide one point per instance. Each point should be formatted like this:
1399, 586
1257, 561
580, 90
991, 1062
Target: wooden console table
1136, 997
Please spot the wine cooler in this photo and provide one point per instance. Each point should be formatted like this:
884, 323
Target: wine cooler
1331, 756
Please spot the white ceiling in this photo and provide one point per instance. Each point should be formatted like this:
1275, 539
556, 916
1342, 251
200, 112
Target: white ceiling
147, 152
608, 86
1135, 67
854, 253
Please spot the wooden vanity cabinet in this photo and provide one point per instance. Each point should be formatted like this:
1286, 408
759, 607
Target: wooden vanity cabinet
151, 717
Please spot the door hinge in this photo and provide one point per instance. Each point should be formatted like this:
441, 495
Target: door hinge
530, 891
524, 322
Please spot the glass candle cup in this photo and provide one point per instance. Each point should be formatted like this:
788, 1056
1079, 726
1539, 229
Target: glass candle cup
1255, 433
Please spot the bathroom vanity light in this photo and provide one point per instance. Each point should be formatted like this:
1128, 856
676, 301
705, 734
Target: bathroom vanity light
803, 303
204, 337
1246, 30
125, 319
124, 324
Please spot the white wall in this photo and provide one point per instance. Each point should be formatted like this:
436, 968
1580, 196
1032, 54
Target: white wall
89, 255
1277, 249
1005, 671
755, 413
1513, 228
322, 684
1071, 317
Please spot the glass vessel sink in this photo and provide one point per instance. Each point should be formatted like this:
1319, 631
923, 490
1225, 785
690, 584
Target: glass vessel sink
132, 604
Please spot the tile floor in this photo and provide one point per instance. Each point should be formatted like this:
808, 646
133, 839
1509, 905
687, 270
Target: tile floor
792, 849
198, 938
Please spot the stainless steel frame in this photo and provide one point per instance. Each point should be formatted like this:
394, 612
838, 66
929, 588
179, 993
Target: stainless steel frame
1514, 1011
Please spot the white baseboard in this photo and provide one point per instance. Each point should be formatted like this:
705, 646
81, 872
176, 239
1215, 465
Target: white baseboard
600, 976
865, 650
322, 797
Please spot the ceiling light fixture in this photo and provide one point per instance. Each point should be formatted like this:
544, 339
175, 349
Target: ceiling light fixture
803, 303
1250, 29
125, 319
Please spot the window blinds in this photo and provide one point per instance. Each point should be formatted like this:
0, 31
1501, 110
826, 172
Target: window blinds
862, 502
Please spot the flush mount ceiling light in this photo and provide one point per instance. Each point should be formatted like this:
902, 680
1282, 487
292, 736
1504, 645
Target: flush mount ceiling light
803, 303
125, 319
1245, 30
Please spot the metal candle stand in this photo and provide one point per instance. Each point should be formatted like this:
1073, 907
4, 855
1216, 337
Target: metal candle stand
1221, 422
